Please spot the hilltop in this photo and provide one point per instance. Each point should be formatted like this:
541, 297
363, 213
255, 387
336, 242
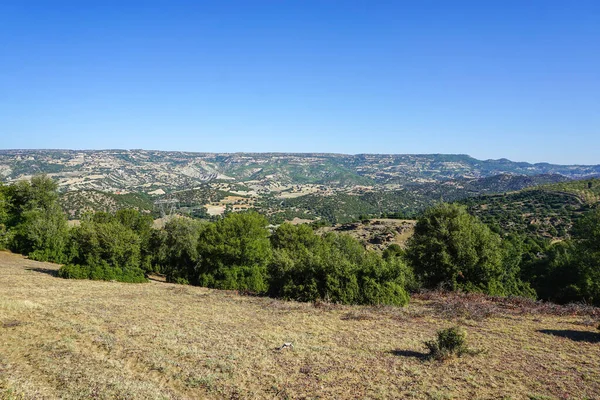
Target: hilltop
79, 339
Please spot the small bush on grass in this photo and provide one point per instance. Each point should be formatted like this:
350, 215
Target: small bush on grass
71, 271
102, 273
449, 342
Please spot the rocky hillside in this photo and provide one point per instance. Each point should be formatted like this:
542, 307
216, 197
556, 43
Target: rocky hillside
156, 171
334, 187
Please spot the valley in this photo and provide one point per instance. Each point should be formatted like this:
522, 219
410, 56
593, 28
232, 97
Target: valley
335, 188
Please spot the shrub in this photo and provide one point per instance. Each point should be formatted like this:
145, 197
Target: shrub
449, 342
393, 250
103, 248
334, 268
233, 254
102, 272
41, 233
175, 248
95, 243
569, 271
73, 271
453, 250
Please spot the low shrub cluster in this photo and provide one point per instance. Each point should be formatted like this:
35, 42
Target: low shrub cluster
239, 253
448, 343
102, 273
335, 268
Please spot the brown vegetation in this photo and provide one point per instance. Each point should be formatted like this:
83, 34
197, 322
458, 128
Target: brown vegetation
87, 339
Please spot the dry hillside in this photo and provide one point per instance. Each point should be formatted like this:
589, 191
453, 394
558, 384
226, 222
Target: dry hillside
85, 339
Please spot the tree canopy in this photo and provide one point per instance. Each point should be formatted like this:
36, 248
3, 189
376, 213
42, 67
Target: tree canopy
451, 249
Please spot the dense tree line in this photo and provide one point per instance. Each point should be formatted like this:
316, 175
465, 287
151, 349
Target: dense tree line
450, 250
292, 262
237, 252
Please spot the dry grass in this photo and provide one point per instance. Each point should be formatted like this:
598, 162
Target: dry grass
84, 339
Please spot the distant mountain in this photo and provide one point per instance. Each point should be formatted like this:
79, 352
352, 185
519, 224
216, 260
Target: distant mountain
148, 171
333, 187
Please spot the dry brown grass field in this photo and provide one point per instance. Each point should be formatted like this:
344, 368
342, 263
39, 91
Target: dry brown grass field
83, 339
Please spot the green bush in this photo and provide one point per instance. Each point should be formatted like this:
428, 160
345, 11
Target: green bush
452, 250
95, 243
74, 271
103, 248
569, 271
336, 268
103, 272
175, 248
233, 253
448, 343
38, 226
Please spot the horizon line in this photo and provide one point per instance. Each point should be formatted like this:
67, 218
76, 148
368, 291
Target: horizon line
292, 153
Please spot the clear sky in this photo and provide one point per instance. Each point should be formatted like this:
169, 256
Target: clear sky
516, 79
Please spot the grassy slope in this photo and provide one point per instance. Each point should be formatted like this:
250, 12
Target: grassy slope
547, 210
80, 339
579, 188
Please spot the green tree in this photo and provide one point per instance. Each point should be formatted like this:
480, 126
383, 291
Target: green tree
557, 275
133, 219
42, 234
393, 250
102, 243
234, 253
39, 193
141, 224
37, 223
452, 249
179, 249
3, 217
586, 235
569, 271
106, 250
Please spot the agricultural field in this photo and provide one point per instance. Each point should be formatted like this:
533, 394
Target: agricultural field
73, 339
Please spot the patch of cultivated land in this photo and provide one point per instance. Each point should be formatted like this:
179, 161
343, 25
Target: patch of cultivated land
85, 339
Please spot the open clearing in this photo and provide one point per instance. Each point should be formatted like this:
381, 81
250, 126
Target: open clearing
378, 233
86, 339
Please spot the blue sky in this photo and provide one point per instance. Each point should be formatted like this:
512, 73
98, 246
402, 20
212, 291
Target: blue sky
515, 79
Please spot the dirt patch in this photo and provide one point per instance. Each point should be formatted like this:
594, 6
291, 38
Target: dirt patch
377, 234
